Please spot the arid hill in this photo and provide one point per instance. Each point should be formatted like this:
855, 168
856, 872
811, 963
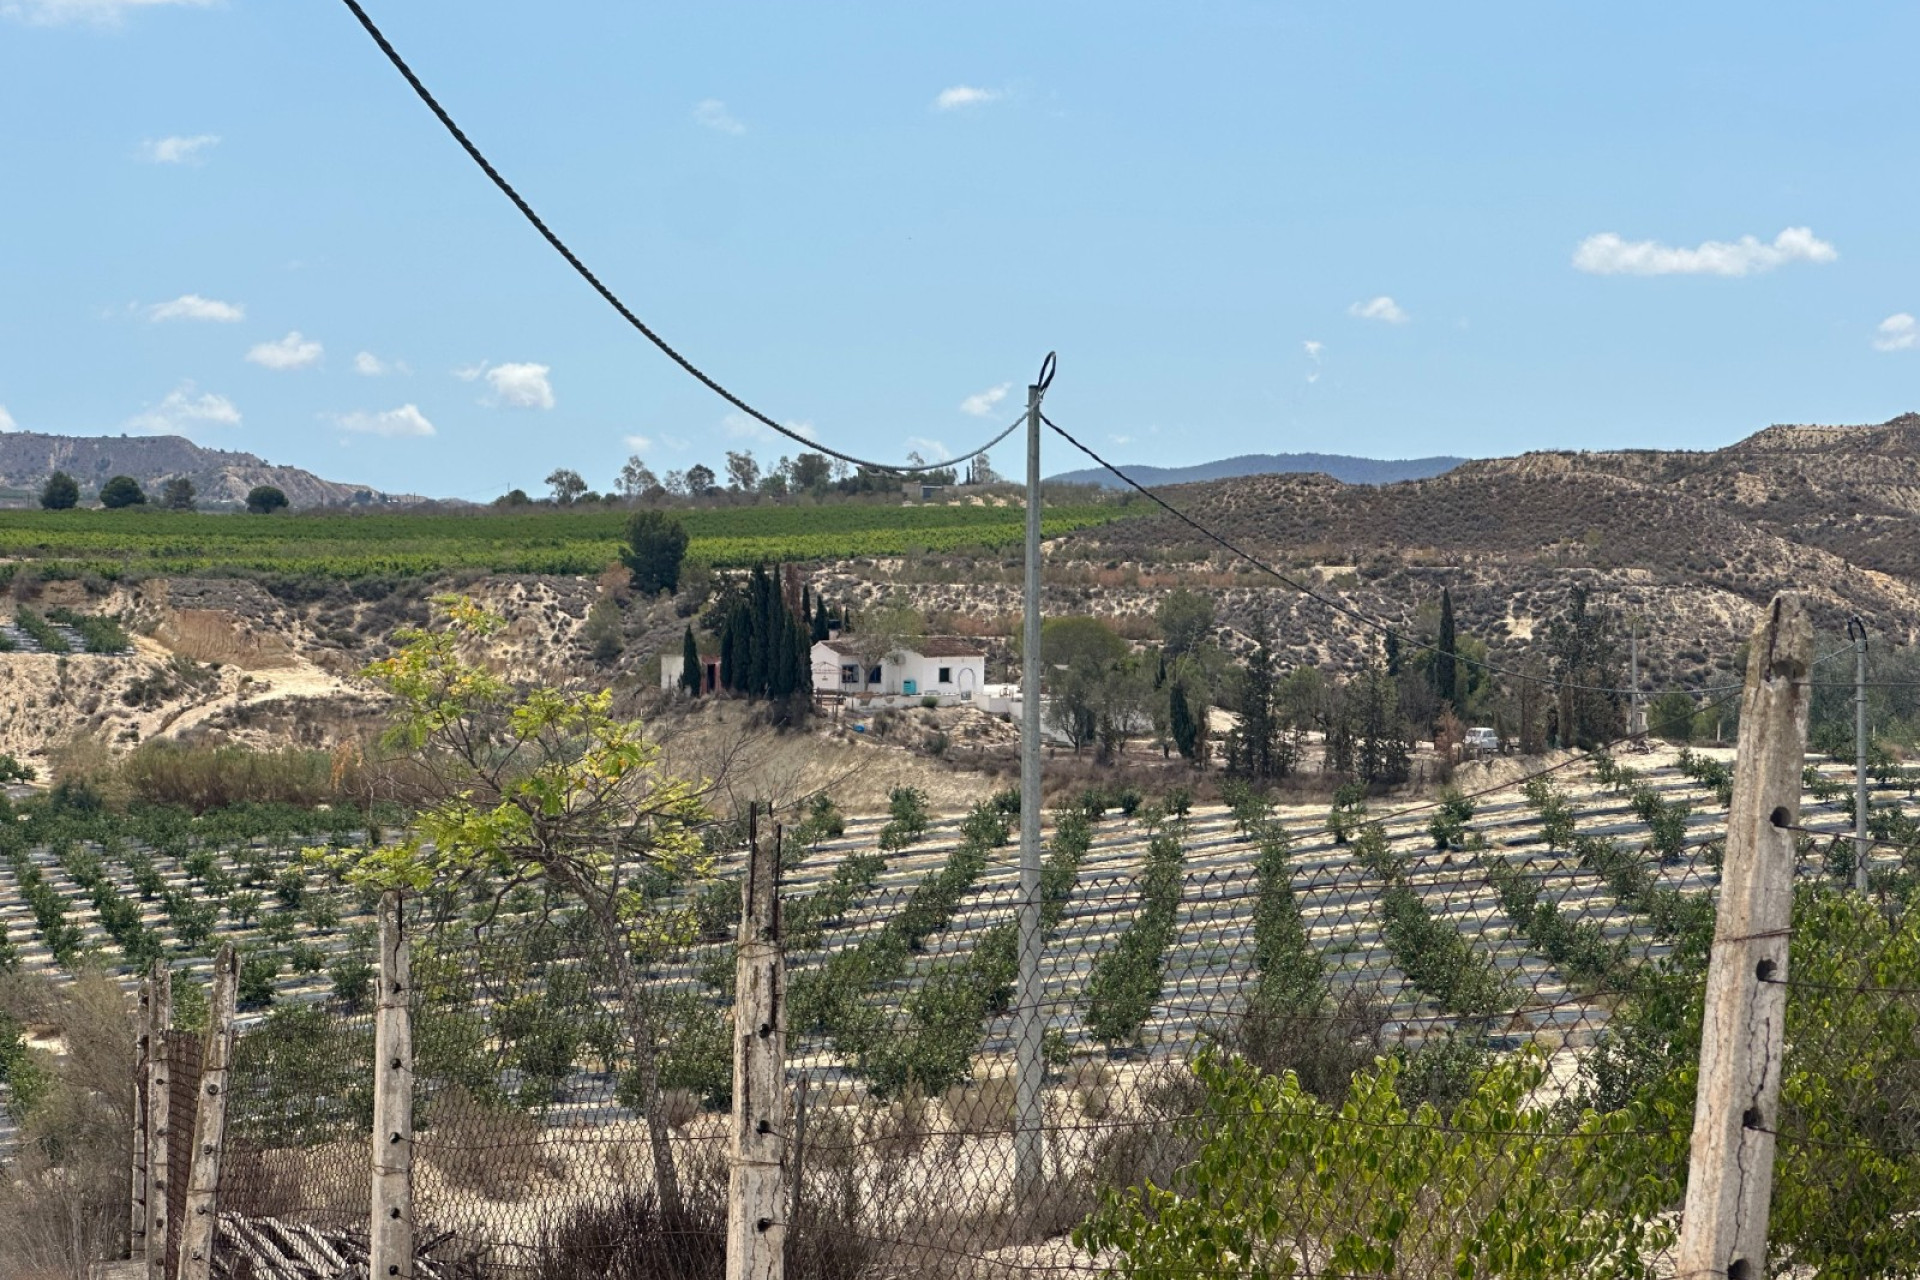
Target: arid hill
1689, 541
220, 476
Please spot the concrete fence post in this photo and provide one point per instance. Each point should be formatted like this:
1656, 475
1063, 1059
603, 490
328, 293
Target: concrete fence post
210, 1126
1723, 1231
390, 1236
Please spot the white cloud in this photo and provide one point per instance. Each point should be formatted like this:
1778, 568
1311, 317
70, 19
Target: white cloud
639, 444
1380, 308
521, 386
182, 409
1313, 347
407, 420
290, 352
981, 403
963, 95
713, 113
369, 365
179, 149
191, 306
6, 420
1899, 332
1608, 255
101, 13
469, 372
931, 450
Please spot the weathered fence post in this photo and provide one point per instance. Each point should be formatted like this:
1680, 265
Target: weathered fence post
756, 1209
210, 1126
142, 1055
1730, 1175
159, 1114
390, 1237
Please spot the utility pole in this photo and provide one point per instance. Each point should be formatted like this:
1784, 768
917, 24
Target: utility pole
1028, 1028
1857, 632
1636, 717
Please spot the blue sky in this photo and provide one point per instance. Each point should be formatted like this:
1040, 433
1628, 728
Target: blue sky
1389, 230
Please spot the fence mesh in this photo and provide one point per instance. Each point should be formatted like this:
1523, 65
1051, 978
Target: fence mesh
1457, 1039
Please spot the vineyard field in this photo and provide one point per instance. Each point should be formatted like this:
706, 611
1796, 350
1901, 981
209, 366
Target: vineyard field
141, 542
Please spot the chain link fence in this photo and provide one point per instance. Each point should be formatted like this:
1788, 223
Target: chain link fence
1459, 1038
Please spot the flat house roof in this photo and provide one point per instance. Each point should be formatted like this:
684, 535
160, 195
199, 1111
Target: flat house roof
930, 647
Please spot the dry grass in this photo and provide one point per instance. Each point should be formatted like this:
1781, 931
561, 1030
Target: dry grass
497, 1151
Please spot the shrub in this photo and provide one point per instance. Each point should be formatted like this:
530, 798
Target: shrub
30, 621
1449, 824
1276, 1169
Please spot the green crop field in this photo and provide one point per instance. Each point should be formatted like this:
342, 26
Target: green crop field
132, 542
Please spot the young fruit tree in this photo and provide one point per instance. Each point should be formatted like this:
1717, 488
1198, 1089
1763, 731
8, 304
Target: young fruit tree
540, 785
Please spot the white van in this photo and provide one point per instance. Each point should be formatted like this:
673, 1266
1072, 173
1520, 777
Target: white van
1482, 742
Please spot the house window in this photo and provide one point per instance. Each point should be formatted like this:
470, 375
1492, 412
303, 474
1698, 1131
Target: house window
849, 675
946, 675
873, 676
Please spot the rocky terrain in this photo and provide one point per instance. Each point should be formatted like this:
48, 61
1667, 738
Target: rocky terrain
220, 477
1688, 542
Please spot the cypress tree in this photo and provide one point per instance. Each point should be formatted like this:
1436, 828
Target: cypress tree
760, 635
729, 664
806, 600
1185, 729
821, 626
1446, 676
692, 674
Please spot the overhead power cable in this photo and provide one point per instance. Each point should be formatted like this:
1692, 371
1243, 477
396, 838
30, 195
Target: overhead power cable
613, 300
1357, 615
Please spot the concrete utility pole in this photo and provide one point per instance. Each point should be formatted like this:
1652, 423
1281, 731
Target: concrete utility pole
1857, 631
1723, 1229
1636, 718
1029, 1030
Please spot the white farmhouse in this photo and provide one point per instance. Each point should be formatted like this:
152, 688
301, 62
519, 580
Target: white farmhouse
950, 668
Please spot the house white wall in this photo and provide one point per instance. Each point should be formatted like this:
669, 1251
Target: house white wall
909, 676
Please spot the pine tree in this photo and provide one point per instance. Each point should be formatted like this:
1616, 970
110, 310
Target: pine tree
1446, 675
692, 674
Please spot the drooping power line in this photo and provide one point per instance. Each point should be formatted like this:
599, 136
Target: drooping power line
613, 300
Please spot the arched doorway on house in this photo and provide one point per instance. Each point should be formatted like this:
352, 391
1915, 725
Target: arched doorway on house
966, 684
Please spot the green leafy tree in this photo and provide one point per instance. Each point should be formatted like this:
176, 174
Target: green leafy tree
1186, 619
1671, 716
61, 492
122, 491
177, 494
653, 550
544, 785
265, 499
566, 485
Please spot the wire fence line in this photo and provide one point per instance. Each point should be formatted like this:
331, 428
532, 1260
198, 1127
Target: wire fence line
1420, 1033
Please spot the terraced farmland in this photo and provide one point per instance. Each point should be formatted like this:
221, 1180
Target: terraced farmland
115, 902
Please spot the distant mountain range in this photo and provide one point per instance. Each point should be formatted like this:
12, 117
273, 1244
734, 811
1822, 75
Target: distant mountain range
1347, 470
220, 477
